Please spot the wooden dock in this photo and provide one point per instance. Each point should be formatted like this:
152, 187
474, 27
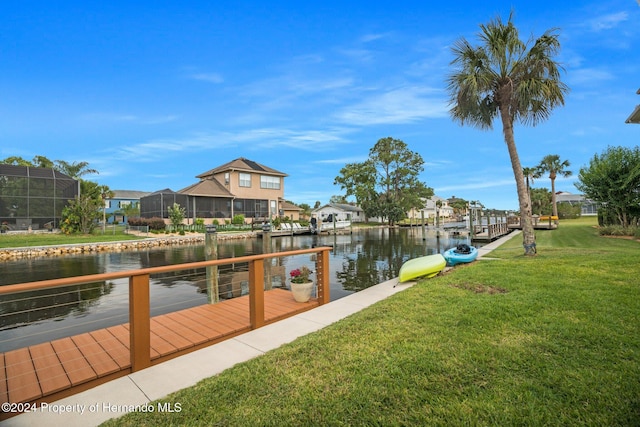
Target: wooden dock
52, 370
547, 223
60, 368
285, 229
489, 233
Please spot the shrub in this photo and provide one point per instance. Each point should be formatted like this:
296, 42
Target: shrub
238, 219
618, 230
176, 215
153, 223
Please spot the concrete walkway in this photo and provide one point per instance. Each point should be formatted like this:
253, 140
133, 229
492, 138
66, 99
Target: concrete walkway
137, 390
484, 250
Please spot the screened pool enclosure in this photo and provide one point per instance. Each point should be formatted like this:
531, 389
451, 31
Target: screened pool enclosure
33, 198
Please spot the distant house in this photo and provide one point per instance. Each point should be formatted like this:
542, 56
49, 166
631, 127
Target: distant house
121, 200
290, 210
339, 211
588, 207
33, 198
635, 115
435, 206
239, 187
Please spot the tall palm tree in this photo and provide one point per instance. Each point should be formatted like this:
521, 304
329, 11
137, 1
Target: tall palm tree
511, 79
555, 167
530, 175
75, 169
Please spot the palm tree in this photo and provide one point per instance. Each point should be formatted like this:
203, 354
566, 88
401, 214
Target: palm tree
555, 167
530, 175
75, 169
506, 77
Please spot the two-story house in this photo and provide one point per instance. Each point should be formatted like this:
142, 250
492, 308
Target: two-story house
435, 206
239, 187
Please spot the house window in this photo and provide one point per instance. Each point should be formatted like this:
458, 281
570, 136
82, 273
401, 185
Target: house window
245, 180
226, 178
270, 182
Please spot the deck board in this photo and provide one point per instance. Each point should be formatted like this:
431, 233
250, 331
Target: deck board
49, 370
22, 381
75, 365
4, 396
116, 349
101, 362
78, 362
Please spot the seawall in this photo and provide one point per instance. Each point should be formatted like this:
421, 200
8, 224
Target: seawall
10, 254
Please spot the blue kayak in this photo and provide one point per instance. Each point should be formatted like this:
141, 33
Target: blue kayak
461, 254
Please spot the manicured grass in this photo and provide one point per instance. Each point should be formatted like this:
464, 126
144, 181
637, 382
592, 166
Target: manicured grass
10, 240
546, 340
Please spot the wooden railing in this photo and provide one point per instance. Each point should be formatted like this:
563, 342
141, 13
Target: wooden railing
497, 230
139, 299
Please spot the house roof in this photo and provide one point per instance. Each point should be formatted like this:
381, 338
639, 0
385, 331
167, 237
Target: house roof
290, 206
243, 165
635, 115
206, 188
164, 191
129, 194
345, 207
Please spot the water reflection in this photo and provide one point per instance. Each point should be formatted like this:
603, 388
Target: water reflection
360, 260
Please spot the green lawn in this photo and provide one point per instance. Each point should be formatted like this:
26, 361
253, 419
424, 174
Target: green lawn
10, 240
546, 340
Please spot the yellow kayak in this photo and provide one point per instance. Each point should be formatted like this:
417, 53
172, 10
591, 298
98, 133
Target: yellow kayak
427, 266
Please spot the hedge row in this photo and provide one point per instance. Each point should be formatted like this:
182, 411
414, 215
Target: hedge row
153, 223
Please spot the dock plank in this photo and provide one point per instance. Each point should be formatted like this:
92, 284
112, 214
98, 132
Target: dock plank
75, 365
22, 380
101, 362
49, 370
165, 340
59, 366
116, 349
4, 395
192, 322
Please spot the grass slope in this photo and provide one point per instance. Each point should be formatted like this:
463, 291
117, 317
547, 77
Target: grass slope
548, 340
47, 239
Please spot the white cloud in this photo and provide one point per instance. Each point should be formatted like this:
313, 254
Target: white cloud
398, 106
588, 76
208, 77
128, 118
373, 37
343, 160
476, 185
608, 21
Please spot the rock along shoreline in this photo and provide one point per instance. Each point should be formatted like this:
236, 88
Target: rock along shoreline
12, 254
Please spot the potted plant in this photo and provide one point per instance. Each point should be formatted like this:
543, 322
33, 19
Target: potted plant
301, 285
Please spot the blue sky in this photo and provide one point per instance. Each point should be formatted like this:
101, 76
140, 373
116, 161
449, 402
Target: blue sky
153, 93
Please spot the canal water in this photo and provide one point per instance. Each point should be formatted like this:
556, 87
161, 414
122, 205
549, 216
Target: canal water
358, 260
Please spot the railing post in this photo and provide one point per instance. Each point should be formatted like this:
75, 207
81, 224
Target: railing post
322, 274
256, 293
139, 322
